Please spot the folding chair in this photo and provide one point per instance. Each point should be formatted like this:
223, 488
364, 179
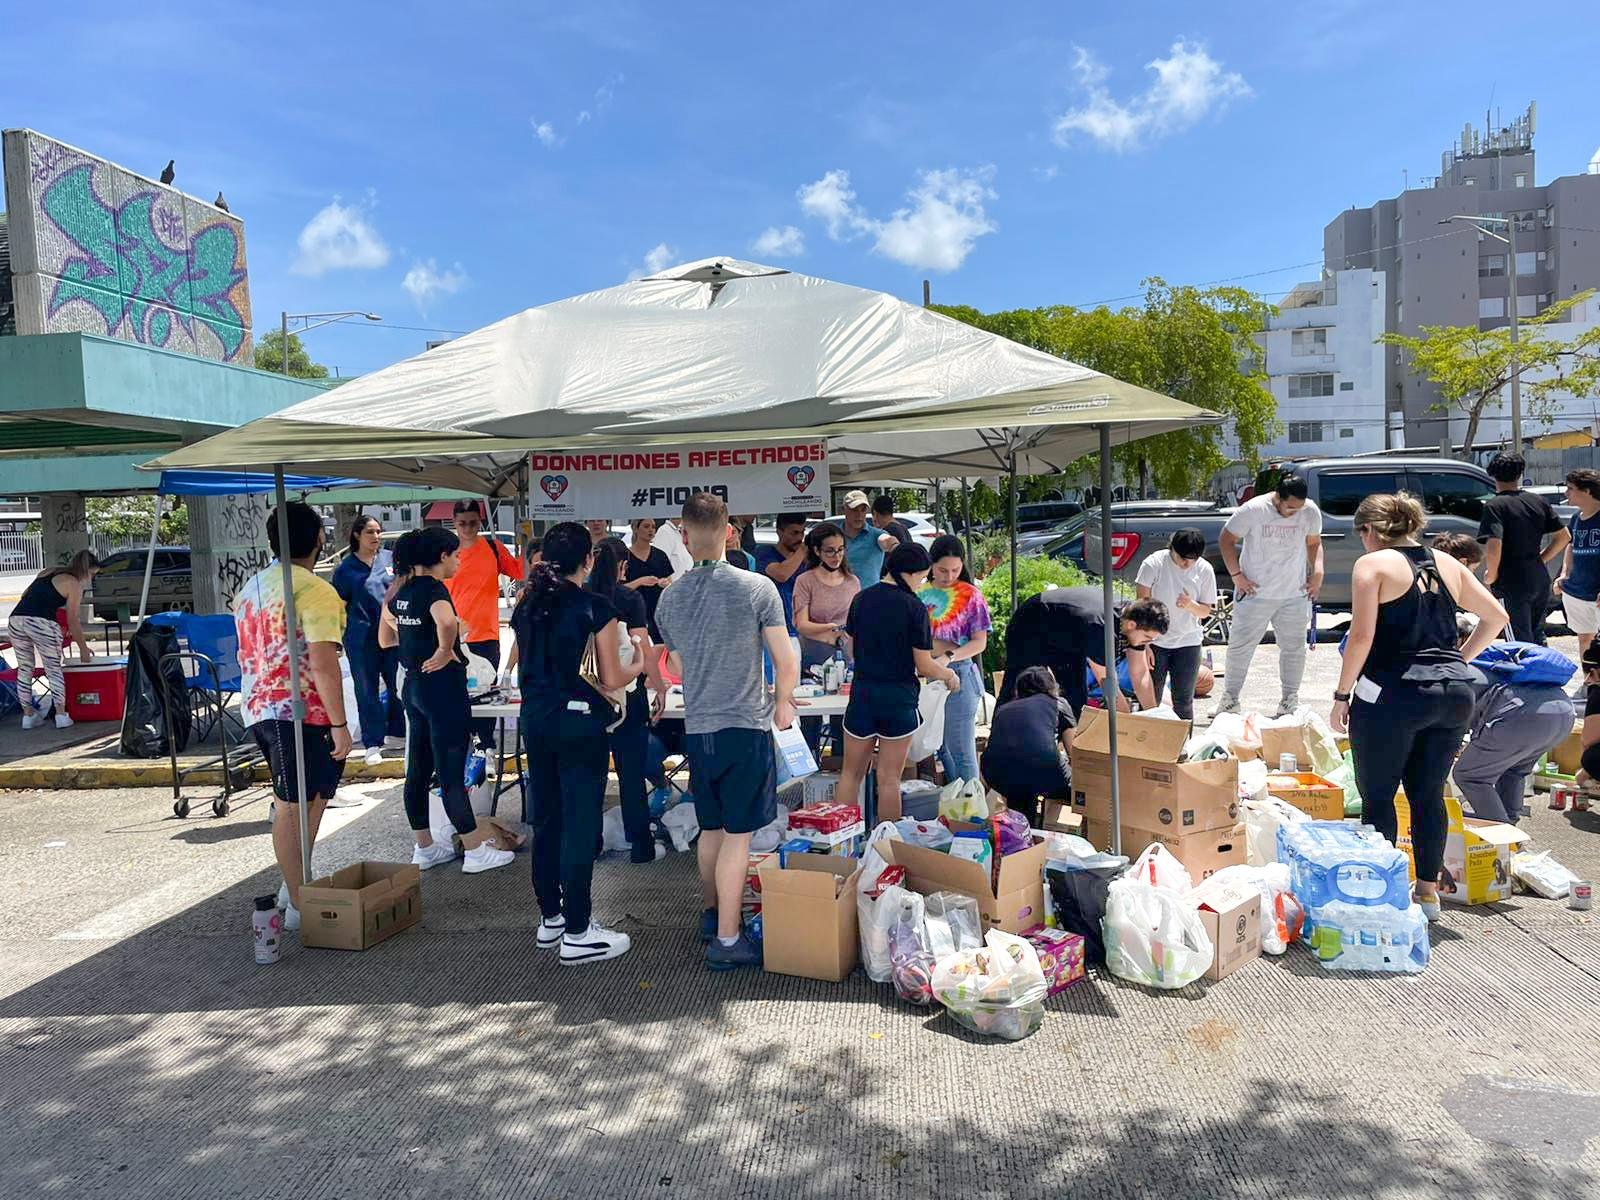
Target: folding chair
210, 662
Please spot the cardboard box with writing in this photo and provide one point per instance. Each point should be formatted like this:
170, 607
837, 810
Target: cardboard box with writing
1159, 794
359, 906
1477, 854
808, 916
1311, 794
1011, 898
1232, 917
1202, 854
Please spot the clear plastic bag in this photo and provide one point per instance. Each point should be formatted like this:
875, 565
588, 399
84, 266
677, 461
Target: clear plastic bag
929, 834
910, 959
1152, 937
878, 917
964, 800
998, 990
1159, 866
1542, 875
953, 923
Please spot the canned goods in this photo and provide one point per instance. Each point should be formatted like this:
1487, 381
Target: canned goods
1559, 797
1581, 895
1580, 800
1287, 764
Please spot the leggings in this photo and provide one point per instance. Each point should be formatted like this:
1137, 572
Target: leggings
1182, 663
567, 789
436, 703
39, 636
1410, 735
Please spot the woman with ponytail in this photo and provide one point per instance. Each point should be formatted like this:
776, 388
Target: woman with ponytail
362, 580
1405, 690
566, 724
889, 628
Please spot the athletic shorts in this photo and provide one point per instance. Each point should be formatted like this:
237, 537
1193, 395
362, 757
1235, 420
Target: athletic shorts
1583, 616
884, 711
323, 771
733, 776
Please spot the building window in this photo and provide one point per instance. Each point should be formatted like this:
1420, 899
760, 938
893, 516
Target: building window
1491, 265
405, 516
1527, 262
1309, 387
1347, 385
1490, 307
1305, 431
1308, 341
1347, 432
1526, 306
1519, 180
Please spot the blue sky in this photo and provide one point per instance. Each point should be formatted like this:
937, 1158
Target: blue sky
447, 164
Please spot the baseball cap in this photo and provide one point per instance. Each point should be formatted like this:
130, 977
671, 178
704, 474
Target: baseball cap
855, 499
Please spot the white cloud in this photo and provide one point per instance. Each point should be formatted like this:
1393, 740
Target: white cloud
656, 259
425, 281
584, 117
935, 231
546, 133
1189, 84
773, 242
339, 237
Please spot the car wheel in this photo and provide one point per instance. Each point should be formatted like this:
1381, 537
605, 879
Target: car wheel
1218, 627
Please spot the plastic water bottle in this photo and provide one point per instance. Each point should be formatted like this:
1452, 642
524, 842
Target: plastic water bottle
1371, 960
267, 923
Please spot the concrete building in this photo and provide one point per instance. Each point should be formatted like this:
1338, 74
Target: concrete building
1325, 368
1450, 274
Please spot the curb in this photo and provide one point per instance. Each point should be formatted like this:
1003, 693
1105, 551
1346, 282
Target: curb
68, 774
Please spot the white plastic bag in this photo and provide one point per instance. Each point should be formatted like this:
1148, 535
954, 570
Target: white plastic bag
873, 862
964, 800
612, 834
877, 918
999, 989
1159, 866
1281, 914
1262, 819
1253, 779
929, 734
1541, 874
928, 834
953, 923
352, 710
770, 836
1152, 937
681, 824
1238, 733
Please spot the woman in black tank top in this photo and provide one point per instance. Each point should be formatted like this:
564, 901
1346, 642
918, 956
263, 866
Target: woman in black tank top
35, 636
1405, 692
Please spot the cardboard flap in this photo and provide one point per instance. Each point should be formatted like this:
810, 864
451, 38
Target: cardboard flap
815, 875
1155, 739
1496, 833
935, 867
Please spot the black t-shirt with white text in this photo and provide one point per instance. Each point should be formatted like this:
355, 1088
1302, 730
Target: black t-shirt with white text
1520, 520
413, 617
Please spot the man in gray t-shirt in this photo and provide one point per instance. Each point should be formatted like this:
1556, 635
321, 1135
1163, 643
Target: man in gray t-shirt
716, 620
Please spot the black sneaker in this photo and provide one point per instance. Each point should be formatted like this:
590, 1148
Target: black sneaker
708, 926
743, 953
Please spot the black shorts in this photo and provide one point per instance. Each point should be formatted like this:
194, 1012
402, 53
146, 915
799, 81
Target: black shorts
323, 771
881, 710
733, 778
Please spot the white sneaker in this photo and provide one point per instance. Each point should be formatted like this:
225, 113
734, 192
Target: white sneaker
346, 800
63, 721
551, 930
486, 856
283, 895
374, 755
291, 917
428, 857
1287, 708
594, 944
32, 722
394, 743
1228, 704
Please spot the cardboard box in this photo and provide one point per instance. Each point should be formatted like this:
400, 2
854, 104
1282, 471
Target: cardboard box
1159, 794
808, 916
1566, 758
1310, 793
1477, 854
1058, 817
1060, 955
359, 906
1202, 854
1232, 917
1010, 897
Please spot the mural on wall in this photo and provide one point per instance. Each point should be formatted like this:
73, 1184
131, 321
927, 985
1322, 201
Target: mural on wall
98, 249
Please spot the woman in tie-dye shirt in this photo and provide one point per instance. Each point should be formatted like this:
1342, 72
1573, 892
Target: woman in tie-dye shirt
960, 621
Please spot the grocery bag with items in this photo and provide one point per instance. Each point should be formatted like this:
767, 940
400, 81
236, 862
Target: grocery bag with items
999, 989
963, 800
1152, 937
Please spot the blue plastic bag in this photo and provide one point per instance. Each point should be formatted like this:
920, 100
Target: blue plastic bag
1526, 663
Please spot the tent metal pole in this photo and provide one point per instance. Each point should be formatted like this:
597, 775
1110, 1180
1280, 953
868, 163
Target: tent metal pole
938, 503
1110, 689
291, 628
149, 562
966, 516
1011, 521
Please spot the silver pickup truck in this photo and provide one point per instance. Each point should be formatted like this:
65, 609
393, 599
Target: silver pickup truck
1452, 494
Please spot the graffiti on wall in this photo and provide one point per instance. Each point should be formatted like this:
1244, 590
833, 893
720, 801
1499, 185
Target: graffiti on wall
98, 249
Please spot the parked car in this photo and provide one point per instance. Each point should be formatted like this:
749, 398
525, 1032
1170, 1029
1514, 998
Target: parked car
918, 524
114, 594
12, 559
1044, 514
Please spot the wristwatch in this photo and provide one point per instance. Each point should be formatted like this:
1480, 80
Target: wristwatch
1341, 697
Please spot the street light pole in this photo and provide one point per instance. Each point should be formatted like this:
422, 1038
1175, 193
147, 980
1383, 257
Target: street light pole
1510, 239
328, 319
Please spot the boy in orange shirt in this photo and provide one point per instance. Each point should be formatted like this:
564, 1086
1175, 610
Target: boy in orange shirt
475, 590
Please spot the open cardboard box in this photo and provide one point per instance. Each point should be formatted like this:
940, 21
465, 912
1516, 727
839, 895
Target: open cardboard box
808, 916
361, 905
1012, 900
1477, 854
1202, 854
1310, 793
1159, 794
1232, 919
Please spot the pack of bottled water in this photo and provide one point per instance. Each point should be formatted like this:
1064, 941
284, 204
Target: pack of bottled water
1356, 891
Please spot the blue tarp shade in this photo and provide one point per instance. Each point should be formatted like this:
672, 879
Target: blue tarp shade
240, 483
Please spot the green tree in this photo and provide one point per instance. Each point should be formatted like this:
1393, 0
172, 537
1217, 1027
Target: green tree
126, 519
1197, 345
269, 356
1473, 367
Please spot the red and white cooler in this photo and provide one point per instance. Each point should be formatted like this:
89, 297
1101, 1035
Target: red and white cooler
96, 690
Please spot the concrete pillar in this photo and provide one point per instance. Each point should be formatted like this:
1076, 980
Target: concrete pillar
228, 542
65, 528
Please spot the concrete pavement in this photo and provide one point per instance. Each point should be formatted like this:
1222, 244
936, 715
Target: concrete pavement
142, 1052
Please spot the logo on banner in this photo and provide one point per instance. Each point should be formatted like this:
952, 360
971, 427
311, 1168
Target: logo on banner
801, 477
553, 485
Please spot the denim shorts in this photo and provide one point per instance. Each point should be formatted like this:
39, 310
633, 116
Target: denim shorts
881, 710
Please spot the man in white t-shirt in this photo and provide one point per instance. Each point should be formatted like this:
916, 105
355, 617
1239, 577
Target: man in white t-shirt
1276, 577
1183, 580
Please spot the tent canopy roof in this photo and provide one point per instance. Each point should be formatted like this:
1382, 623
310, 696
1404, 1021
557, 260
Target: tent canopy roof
715, 350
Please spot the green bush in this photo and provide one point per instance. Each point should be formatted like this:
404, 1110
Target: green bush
1033, 574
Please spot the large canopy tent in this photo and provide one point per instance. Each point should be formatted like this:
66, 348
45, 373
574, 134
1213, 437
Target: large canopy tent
711, 351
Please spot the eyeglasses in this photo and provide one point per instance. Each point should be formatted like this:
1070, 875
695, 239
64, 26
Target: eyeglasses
830, 551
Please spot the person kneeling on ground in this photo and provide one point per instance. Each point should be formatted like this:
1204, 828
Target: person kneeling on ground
1029, 740
1513, 725
1589, 771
